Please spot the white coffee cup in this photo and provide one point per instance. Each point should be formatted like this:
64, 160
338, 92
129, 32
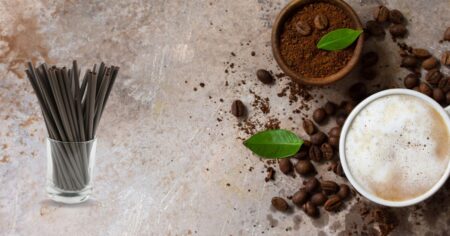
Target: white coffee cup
445, 113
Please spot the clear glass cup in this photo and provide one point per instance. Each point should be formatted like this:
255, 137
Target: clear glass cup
70, 170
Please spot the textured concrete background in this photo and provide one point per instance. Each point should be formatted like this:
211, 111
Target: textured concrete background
164, 162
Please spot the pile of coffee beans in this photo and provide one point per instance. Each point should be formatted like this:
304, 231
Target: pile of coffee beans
383, 17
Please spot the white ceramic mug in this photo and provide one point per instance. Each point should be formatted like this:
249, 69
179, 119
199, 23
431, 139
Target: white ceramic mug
445, 113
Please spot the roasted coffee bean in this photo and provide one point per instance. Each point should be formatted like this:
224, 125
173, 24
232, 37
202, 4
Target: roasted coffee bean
336, 167
315, 154
334, 141
447, 97
280, 204
285, 165
318, 199
333, 203
330, 108
340, 119
348, 107
329, 187
312, 185
433, 77
368, 73
264, 76
303, 28
369, 59
409, 61
425, 89
411, 81
311, 210
374, 28
327, 151
421, 53
444, 84
397, 30
445, 58
238, 108
335, 132
304, 167
321, 22
357, 91
395, 16
309, 127
300, 197
344, 191
302, 153
430, 63
417, 89
447, 34
318, 138
381, 14
319, 115
438, 95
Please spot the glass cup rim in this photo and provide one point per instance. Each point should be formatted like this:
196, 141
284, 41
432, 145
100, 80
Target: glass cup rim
73, 142
342, 157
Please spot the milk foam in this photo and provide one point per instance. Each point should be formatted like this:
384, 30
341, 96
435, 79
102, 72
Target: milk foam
397, 147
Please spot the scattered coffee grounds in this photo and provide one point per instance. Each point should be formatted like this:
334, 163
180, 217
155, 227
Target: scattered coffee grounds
301, 34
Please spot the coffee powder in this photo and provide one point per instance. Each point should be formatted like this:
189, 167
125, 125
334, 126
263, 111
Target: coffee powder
301, 53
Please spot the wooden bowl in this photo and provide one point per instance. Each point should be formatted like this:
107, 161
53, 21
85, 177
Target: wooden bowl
286, 13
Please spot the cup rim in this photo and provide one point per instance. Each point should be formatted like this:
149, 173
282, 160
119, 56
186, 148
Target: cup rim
343, 159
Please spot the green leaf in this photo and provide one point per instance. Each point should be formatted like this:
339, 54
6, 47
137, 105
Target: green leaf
274, 144
338, 39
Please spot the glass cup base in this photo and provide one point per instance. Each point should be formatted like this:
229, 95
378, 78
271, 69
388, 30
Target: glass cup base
69, 197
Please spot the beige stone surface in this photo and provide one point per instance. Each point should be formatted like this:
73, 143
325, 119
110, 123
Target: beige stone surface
163, 160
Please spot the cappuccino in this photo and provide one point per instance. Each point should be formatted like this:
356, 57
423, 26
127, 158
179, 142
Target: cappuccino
397, 147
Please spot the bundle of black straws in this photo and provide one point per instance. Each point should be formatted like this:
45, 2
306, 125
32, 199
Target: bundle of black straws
72, 114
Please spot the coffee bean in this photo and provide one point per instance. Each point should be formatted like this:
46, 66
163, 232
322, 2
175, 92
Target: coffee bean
334, 141
311, 210
348, 107
421, 53
447, 97
302, 153
280, 204
357, 91
330, 108
444, 84
319, 115
395, 16
397, 30
447, 34
340, 119
329, 187
303, 28
344, 191
318, 138
238, 108
374, 28
318, 199
445, 58
264, 76
411, 81
336, 167
368, 73
381, 14
430, 63
425, 89
285, 165
335, 132
438, 95
333, 203
315, 154
311, 185
409, 61
433, 77
321, 22
309, 127
369, 59
417, 89
304, 167
327, 151
300, 197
